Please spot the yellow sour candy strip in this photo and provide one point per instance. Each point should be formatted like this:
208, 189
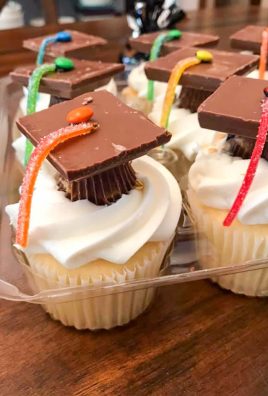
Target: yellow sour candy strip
173, 81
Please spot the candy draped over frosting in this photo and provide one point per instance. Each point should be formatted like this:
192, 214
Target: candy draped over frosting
42, 150
155, 52
252, 167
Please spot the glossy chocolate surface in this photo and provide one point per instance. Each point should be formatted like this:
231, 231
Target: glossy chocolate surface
86, 76
235, 107
205, 76
124, 134
249, 38
80, 42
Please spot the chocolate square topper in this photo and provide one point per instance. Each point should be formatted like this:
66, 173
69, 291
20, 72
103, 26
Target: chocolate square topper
235, 107
96, 166
78, 47
249, 38
84, 77
205, 76
188, 39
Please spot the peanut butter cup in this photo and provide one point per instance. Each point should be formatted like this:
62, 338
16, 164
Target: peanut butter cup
96, 167
198, 82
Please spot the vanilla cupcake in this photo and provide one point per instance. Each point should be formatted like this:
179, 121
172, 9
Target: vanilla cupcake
102, 219
215, 180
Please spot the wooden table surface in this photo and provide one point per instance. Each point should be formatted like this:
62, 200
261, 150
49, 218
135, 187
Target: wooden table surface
195, 340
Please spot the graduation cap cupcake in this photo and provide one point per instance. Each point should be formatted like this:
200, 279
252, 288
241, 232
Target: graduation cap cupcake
199, 73
157, 44
67, 43
100, 212
228, 192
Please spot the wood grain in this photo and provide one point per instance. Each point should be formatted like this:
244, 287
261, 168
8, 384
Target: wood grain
196, 340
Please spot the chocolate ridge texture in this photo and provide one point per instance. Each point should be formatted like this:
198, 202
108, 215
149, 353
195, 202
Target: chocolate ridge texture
124, 134
235, 107
205, 76
188, 39
86, 75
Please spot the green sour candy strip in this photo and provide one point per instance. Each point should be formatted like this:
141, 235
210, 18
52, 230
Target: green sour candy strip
33, 88
155, 52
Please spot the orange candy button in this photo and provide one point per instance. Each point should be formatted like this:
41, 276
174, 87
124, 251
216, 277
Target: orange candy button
80, 114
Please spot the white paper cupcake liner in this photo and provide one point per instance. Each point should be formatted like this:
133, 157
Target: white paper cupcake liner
106, 311
220, 246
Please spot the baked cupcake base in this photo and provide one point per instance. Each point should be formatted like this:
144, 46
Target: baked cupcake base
106, 311
220, 246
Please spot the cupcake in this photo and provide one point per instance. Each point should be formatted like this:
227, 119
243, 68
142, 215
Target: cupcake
157, 43
103, 214
197, 83
230, 210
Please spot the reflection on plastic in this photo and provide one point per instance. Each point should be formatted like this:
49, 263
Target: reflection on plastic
181, 267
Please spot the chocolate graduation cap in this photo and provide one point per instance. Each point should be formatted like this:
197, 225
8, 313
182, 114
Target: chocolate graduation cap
85, 76
80, 46
200, 81
96, 167
144, 42
235, 108
249, 38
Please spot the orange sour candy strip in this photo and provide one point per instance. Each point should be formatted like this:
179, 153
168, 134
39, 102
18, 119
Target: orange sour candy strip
263, 54
41, 151
173, 81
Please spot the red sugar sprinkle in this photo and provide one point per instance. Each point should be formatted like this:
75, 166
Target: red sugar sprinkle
252, 167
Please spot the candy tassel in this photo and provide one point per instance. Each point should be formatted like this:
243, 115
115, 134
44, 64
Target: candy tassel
263, 55
175, 76
155, 52
33, 87
252, 167
42, 150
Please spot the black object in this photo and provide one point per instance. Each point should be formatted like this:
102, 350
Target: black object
152, 15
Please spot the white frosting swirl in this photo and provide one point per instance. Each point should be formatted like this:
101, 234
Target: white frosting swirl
110, 87
138, 81
255, 74
217, 178
187, 135
42, 102
78, 232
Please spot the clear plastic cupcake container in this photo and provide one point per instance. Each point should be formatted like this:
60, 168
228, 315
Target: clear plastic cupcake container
113, 301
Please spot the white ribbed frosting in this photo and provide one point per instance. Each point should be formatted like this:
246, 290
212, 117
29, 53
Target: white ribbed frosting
217, 178
78, 232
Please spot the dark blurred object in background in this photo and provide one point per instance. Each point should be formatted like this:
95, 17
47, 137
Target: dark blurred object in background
152, 15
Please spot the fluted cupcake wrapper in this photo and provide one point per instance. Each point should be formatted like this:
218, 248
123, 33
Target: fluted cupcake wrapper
191, 98
220, 246
242, 147
106, 311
